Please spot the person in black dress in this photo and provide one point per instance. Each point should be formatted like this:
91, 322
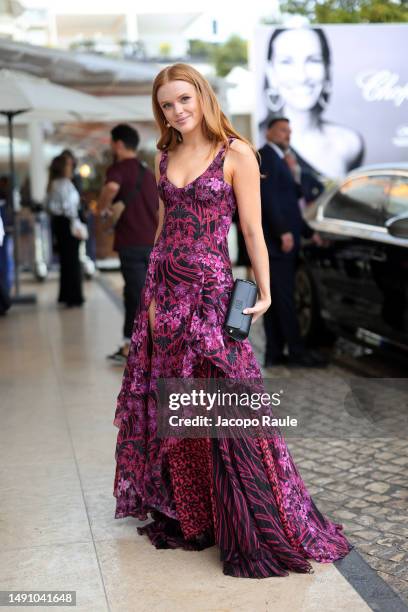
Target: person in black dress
63, 203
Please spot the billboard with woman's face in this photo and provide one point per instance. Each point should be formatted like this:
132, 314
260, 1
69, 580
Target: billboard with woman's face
344, 89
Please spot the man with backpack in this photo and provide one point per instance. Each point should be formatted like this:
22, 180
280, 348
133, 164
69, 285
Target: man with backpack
130, 187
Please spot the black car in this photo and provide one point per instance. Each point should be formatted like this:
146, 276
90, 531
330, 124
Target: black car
356, 284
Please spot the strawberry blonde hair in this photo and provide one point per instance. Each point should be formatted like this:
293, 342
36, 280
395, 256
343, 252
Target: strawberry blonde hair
216, 125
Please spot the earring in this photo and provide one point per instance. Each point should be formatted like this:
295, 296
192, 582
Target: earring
167, 124
273, 99
325, 95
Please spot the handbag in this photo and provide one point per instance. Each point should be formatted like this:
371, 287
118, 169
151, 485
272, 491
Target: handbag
78, 229
244, 294
117, 208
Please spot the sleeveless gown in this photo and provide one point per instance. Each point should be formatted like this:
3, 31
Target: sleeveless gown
244, 495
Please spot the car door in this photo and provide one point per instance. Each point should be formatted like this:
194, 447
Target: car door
353, 220
393, 275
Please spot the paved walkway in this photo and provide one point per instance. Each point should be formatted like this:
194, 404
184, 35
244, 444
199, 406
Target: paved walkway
361, 482
57, 463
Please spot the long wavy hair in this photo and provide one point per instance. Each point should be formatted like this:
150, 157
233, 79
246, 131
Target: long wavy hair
57, 169
216, 126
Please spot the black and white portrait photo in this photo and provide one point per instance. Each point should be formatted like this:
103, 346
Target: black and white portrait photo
338, 90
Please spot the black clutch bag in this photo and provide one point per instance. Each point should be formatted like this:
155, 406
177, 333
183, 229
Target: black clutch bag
244, 294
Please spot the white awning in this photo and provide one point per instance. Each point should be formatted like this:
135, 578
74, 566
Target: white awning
28, 97
82, 70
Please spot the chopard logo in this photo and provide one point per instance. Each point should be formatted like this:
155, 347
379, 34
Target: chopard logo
382, 85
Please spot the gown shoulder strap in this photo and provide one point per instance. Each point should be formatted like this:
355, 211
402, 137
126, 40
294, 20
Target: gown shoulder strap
223, 149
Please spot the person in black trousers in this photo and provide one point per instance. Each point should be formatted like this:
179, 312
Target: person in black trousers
131, 182
5, 301
283, 227
63, 205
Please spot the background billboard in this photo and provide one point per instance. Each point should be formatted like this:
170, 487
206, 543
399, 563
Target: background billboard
344, 88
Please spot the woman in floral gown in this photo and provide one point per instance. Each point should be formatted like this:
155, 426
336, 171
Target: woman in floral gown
245, 495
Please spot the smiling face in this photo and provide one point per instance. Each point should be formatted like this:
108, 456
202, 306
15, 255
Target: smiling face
297, 68
180, 105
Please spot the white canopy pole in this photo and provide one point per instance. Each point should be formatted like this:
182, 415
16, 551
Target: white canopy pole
37, 165
132, 30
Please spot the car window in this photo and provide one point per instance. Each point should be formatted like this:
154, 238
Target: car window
398, 200
360, 199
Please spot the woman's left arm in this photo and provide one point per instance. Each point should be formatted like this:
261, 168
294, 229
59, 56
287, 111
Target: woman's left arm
245, 174
70, 199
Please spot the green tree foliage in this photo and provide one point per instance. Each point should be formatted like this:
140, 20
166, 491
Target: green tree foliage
200, 49
232, 53
348, 11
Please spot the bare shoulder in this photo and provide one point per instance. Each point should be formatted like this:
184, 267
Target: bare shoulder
345, 137
240, 157
240, 148
240, 162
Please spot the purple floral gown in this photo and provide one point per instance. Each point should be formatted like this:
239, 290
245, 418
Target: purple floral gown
244, 495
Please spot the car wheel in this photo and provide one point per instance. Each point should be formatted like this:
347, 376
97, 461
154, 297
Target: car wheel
307, 307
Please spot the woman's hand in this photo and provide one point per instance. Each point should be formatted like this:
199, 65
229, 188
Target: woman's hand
259, 308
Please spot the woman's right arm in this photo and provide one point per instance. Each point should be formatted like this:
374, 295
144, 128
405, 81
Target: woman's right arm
161, 205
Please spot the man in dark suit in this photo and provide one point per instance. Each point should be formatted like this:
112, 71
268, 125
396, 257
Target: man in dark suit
283, 226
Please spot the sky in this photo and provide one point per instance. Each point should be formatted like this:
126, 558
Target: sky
240, 21
155, 6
